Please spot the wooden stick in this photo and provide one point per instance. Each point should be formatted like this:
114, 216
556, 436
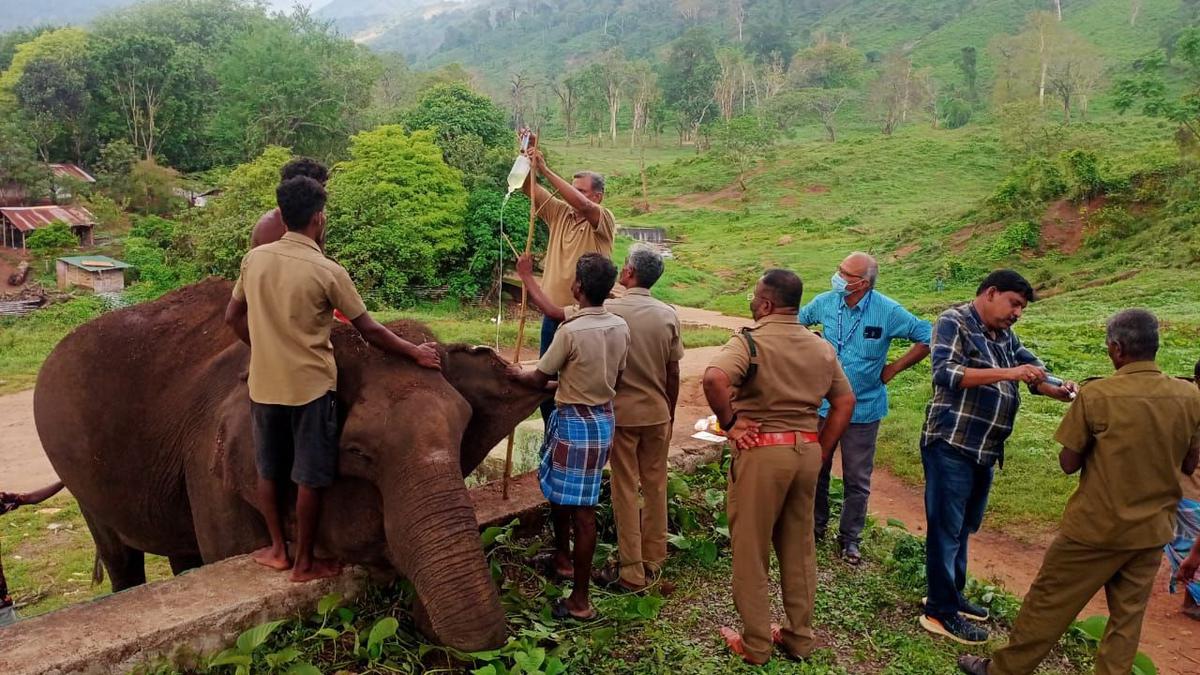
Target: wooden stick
508, 453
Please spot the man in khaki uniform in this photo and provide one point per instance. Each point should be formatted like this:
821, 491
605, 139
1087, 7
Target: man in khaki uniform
578, 224
1131, 434
282, 307
645, 410
765, 387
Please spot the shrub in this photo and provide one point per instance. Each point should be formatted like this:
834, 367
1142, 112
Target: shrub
1028, 186
1016, 237
51, 240
1083, 171
954, 112
478, 269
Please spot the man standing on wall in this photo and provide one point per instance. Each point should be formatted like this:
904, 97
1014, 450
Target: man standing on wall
578, 224
860, 323
978, 363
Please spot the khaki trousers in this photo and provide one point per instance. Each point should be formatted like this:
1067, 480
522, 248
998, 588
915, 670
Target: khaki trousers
639, 457
1070, 575
771, 493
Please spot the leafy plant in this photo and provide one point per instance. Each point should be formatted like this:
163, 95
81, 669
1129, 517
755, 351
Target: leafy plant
1091, 630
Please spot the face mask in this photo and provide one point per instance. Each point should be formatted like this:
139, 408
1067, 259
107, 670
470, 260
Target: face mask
839, 285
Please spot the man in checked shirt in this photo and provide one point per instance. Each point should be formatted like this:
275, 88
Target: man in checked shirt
978, 363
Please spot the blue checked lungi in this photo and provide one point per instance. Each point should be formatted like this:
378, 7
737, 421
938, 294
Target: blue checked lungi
1187, 528
578, 439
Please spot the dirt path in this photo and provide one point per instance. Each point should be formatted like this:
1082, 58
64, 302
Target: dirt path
23, 465
1167, 637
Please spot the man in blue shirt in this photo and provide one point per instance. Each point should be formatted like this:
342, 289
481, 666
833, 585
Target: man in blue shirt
860, 323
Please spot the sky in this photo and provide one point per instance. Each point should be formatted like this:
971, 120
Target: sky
288, 4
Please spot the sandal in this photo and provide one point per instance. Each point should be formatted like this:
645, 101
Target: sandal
545, 563
609, 577
733, 640
852, 555
560, 611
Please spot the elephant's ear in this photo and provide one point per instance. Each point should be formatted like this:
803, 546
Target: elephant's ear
498, 404
233, 460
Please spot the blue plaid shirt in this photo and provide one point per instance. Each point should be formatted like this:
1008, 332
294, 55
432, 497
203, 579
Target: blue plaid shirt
861, 336
974, 421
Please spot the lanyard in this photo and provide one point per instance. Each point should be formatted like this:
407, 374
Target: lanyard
842, 337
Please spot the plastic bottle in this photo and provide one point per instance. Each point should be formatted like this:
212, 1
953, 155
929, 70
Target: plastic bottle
518, 174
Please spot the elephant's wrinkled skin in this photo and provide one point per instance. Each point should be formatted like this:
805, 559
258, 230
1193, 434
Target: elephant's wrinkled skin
145, 415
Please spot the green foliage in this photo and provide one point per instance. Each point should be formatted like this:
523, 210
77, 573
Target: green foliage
1083, 172
217, 236
51, 240
1091, 630
827, 66
148, 249
454, 111
1028, 186
1148, 87
62, 44
18, 161
742, 140
954, 112
396, 213
291, 82
483, 251
152, 188
688, 77
1016, 237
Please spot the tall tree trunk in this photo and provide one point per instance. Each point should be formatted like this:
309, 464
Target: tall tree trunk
1058, 9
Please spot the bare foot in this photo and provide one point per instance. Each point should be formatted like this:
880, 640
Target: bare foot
319, 568
268, 557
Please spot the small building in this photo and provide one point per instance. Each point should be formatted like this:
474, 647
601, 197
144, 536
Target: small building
97, 272
64, 176
19, 221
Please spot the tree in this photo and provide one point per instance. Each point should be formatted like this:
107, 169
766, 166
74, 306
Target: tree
1074, 72
737, 10
827, 65
10, 41
824, 106
643, 93
1148, 89
567, 91
968, 64
1135, 8
454, 110
65, 44
742, 140
396, 213
53, 95
19, 165
483, 251
294, 83
1058, 9
688, 77
897, 92
615, 74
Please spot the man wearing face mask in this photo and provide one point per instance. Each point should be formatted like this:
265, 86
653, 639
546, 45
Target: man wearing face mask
765, 387
978, 363
860, 323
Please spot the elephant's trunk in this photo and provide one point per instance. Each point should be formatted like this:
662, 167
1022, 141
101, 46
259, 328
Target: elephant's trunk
433, 539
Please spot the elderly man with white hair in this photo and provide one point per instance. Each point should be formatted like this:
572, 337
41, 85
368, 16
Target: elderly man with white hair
860, 323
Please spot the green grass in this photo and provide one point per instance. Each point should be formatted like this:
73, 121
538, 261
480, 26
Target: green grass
25, 342
48, 555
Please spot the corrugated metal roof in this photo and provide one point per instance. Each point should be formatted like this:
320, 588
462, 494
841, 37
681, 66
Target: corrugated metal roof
95, 263
30, 218
71, 171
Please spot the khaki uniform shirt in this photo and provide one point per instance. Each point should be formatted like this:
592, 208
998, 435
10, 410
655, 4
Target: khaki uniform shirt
796, 369
655, 341
1134, 430
571, 236
291, 289
588, 353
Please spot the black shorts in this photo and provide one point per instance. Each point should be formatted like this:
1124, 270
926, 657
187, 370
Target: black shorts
302, 439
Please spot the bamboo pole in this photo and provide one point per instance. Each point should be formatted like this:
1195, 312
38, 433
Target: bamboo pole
512, 437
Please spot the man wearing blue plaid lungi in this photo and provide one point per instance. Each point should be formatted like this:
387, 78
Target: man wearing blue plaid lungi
587, 354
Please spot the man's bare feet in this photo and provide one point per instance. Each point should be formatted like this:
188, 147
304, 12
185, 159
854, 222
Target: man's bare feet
317, 568
269, 557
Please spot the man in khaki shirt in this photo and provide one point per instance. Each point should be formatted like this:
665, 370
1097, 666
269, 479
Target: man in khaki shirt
765, 387
587, 356
645, 410
283, 301
578, 224
1131, 434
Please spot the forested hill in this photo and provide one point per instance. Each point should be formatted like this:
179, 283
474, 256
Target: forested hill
499, 37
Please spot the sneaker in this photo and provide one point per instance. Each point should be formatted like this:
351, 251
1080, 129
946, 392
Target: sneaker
851, 554
968, 610
956, 628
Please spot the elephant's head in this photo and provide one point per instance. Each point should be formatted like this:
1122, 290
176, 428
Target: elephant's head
498, 404
402, 431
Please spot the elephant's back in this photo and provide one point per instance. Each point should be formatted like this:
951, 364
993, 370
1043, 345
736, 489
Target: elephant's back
117, 401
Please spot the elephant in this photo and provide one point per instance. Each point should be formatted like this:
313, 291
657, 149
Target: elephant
144, 413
